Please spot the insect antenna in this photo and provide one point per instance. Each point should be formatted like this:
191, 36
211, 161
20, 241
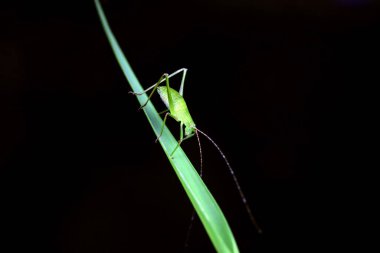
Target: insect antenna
242, 196
200, 154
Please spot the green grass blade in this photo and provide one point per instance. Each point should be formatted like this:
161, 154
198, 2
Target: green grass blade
205, 205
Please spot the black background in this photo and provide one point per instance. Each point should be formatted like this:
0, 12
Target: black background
271, 81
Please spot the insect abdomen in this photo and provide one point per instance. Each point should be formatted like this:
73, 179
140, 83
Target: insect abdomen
176, 97
179, 108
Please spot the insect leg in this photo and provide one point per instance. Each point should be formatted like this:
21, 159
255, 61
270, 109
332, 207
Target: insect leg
163, 111
148, 89
176, 72
182, 82
144, 91
161, 80
184, 70
170, 100
154, 89
163, 125
181, 131
181, 140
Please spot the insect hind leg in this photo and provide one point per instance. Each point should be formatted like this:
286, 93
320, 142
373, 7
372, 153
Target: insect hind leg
154, 87
184, 71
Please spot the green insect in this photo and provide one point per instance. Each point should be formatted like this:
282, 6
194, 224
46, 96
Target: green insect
178, 110
176, 106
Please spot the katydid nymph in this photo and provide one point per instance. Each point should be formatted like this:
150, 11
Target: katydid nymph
178, 110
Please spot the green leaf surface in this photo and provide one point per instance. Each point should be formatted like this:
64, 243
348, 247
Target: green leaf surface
205, 205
